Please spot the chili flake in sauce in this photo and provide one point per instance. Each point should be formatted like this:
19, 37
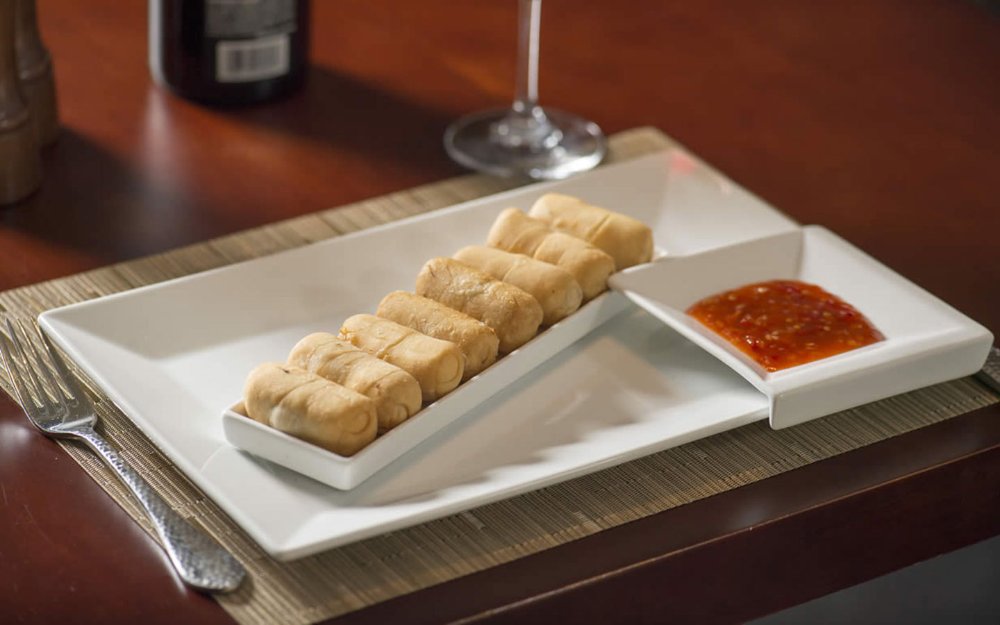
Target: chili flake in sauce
784, 323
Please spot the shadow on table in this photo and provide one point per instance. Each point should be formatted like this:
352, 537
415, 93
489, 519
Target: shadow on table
85, 185
344, 112
100, 207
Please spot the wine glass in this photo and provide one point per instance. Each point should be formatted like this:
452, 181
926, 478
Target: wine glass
526, 139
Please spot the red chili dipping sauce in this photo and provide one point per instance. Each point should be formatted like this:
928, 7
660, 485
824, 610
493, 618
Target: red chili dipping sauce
784, 323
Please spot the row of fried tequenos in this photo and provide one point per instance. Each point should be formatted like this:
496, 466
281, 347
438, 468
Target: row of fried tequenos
340, 392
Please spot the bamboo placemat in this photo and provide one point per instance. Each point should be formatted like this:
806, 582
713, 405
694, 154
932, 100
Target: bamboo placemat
377, 569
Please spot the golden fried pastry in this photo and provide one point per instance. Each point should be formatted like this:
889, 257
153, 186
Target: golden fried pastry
516, 232
477, 340
437, 365
309, 407
554, 287
513, 314
395, 392
627, 240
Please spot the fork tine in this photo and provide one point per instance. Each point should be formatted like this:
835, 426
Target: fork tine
18, 374
45, 364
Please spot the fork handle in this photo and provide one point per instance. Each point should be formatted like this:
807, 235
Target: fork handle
199, 560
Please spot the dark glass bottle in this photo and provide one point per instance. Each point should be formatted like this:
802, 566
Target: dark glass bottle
229, 53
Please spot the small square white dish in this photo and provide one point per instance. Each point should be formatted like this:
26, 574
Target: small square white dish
926, 341
174, 354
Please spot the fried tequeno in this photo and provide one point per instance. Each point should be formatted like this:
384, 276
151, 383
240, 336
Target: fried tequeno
437, 365
554, 287
309, 407
478, 341
627, 240
514, 231
395, 392
513, 314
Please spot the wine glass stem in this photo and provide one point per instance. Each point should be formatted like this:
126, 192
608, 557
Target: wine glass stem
529, 22
526, 125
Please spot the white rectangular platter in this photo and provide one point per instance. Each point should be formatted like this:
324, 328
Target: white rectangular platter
173, 355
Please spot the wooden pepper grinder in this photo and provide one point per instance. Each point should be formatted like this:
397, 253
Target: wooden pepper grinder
34, 66
20, 161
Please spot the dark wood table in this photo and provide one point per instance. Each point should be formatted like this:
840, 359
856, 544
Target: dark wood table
877, 119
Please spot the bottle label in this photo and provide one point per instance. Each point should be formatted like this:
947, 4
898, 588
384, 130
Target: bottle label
248, 19
251, 59
252, 38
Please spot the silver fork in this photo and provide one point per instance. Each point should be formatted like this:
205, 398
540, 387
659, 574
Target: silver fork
64, 411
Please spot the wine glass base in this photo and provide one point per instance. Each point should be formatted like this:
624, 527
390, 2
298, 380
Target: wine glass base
471, 142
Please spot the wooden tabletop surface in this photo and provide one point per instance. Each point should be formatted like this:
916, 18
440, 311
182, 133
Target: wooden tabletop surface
877, 119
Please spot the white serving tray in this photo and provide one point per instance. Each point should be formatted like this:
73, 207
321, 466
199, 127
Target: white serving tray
926, 341
173, 354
